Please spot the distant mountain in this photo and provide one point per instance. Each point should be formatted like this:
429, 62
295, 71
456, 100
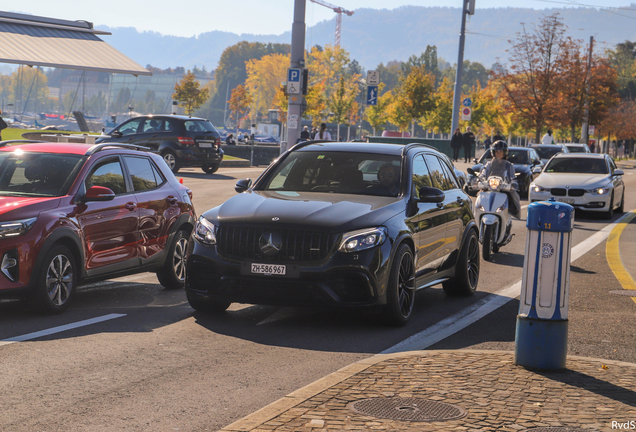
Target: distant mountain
373, 36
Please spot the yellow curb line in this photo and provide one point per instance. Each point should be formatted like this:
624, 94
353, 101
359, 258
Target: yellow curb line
613, 254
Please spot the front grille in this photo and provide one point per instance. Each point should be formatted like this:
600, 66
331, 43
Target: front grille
297, 245
576, 192
558, 191
569, 192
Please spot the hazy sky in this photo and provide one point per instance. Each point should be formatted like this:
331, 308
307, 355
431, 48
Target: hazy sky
193, 17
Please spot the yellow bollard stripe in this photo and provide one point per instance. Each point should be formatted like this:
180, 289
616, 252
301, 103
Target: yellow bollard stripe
613, 254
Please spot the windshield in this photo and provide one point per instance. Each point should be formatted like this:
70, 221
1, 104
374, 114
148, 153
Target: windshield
337, 172
577, 165
199, 126
547, 152
514, 156
37, 174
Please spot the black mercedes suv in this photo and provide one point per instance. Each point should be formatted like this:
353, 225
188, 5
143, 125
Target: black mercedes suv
338, 224
182, 141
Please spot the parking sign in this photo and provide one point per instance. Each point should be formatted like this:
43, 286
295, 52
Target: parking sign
293, 81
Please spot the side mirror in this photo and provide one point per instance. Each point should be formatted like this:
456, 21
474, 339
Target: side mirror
474, 160
618, 172
470, 171
99, 193
431, 195
116, 134
536, 170
242, 185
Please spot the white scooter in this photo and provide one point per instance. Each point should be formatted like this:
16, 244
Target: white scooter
492, 214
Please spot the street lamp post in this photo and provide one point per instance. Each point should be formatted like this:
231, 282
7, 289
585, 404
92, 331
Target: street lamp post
297, 61
467, 9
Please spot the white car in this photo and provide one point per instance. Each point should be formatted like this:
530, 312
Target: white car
586, 181
577, 148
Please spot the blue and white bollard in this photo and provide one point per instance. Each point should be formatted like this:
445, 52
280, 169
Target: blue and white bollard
542, 323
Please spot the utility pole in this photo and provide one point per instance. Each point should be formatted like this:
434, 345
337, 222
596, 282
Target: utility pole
297, 63
468, 8
586, 113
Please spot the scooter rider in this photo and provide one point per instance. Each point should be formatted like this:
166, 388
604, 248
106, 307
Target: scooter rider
499, 166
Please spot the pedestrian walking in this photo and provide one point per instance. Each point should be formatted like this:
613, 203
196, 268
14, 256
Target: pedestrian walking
323, 134
304, 135
314, 132
457, 141
468, 142
487, 143
592, 147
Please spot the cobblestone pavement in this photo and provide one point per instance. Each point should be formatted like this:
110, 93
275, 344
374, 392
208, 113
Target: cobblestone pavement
590, 395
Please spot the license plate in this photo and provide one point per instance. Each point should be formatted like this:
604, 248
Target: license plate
205, 144
269, 269
566, 200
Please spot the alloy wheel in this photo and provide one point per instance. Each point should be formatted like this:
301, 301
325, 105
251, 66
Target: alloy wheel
179, 258
406, 285
473, 261
59, 280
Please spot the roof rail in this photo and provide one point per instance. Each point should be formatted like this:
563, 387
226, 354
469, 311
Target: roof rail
99, 147
305, 143
7, 142
409, 146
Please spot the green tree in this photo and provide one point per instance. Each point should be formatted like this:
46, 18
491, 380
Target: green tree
439, 117
389, 74
417, 92
427, 60
623, 60
188, 93
239, 104
342, 102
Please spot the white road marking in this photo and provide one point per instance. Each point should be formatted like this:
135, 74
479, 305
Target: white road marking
60, 329
455, 323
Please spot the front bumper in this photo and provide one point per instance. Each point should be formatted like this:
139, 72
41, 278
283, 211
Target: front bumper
16, 258
341, 280
588, 201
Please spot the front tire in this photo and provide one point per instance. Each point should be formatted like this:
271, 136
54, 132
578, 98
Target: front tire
401, 288
207, 305
488, 240
210, 169
171, 160
466, 278
621, 208
56, 282
172, 274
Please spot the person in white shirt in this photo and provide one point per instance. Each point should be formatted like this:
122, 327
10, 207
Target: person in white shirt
548, 138
323, 134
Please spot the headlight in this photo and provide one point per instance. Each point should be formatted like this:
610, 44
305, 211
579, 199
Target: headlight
537, 188
599, 191
356, 241
494, 183
205, 231
16, 228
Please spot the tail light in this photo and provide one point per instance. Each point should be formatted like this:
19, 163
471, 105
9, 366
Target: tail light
186, 140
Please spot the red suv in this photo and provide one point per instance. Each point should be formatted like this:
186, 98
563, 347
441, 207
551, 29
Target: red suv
78, 213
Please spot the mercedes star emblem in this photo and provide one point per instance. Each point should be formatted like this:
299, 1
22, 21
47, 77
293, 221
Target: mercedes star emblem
270, 243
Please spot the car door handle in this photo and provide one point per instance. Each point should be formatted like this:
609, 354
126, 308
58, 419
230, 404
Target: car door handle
172, 200
131, 206
440, 205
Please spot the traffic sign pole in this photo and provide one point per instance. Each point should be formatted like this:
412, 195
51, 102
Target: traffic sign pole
297, 62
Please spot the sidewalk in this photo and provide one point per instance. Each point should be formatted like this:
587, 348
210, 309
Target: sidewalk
476, 390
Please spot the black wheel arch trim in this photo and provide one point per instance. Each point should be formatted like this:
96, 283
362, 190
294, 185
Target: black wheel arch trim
60, 235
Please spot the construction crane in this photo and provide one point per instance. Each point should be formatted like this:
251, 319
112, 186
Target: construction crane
339, 11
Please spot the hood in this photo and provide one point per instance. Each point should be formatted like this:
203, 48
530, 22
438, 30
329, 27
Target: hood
13, 208
584, 181
307, 209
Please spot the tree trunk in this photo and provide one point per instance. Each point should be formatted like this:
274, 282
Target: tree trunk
373, 131
412, 128
349, 133
338, 133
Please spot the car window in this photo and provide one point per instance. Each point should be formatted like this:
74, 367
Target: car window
534, 156
142, 173
577, 166
334, 172
439, 177
547, 153
153, 125
130, 127
37, 173
421, 176
612, 165
169, 126
485, 157
518, 157
108, 174
450, 175
199, 126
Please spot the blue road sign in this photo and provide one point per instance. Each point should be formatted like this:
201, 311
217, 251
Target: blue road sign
467, 102
293, 75
372, 95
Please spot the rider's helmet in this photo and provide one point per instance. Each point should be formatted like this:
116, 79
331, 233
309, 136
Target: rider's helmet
499, 145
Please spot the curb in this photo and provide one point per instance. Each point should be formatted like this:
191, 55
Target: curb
267, 413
